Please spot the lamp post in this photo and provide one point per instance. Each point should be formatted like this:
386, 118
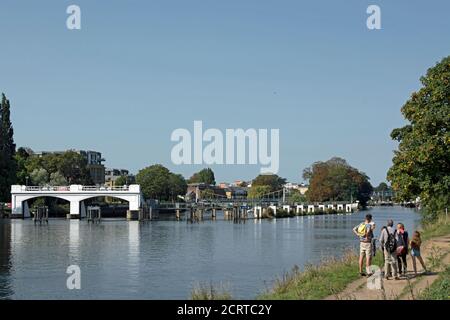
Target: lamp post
26, 180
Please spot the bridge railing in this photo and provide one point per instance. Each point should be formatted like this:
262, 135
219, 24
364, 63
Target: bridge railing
47, 188
104, 188
74, 188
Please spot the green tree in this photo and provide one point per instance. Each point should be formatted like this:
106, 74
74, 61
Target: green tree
157, 182
73, 167
70, 164
21, 157
421, 165
257, 192
8, 165
124, 180
207, 194
382, 187
275, 182
203, 176
296, 197
177, 186
39, 177
336, 180
57, 179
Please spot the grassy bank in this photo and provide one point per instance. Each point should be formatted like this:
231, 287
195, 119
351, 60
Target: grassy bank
210, 292
333, 275
316, 282
440, 227
440, 289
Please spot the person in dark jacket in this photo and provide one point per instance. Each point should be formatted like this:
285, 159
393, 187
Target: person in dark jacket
402, 248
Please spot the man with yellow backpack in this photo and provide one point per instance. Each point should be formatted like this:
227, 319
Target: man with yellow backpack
364, 231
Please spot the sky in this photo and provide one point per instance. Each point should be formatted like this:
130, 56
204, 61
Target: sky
138, 70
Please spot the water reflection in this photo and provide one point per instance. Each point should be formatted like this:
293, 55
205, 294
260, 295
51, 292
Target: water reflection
74, 240
164, 259
5, 261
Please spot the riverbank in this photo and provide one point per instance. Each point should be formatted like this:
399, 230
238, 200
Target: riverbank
338, 279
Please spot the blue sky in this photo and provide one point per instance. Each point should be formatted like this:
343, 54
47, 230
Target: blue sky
137, 70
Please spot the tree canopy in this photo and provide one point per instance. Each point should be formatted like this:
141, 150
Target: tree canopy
264, 184
68, 167
421, 165
8, 165
336, 180
157, 182
203, 176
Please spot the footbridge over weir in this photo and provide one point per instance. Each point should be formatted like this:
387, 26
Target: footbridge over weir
74, 194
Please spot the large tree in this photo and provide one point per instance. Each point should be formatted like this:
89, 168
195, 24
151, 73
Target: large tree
421, 165
264, 184
70, 165
203, 176
8, 165
157, 182
336, 180
273, 181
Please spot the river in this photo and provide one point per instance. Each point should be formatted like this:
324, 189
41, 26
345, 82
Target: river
166, 259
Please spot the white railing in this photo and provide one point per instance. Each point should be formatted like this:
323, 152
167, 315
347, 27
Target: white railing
47, 188
104, 188
133, 188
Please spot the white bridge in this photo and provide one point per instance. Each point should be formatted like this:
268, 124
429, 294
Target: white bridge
75, 194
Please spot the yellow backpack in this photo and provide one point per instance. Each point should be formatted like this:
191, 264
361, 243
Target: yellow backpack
361, 231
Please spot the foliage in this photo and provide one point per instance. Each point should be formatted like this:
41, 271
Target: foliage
436, 228
439, 289
316, 282
57, 179
39, 177
203, 176
272, 180
124, 180
70, 165
296, 197
22, 173
8, 165
421, 165
207, 194
177, 185
336, 180
210, 292
256, 192
157, 182
382, 187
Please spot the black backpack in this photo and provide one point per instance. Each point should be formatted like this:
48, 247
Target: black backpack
391, 243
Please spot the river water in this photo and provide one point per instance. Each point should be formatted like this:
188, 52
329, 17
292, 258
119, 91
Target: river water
166, 259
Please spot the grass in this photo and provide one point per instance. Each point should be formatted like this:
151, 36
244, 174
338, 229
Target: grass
329, 277
440, 289
210, 291
332, 275
440, 227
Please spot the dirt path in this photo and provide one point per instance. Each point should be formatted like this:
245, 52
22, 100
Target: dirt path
408, 288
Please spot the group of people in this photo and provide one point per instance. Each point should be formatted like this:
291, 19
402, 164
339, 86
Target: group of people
395, 244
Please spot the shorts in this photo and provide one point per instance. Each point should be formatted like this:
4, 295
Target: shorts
365, 248
415, 252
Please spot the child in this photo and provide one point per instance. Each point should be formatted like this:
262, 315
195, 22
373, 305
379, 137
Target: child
415, 243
